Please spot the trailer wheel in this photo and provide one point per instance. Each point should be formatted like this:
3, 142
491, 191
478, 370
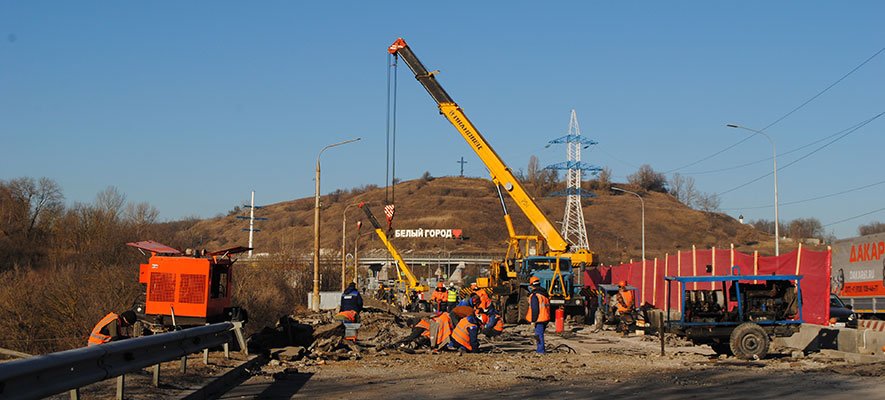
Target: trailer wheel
749, 341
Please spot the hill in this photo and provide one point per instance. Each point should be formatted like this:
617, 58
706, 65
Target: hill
471, 204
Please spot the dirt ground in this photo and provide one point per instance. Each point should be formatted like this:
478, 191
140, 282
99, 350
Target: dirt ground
588, 365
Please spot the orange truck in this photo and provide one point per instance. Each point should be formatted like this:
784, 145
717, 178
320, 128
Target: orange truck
186, 289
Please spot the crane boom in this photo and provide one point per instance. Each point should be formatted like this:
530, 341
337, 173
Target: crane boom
402, 269
499, 171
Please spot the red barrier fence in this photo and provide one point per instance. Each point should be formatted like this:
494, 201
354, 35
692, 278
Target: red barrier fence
814, 266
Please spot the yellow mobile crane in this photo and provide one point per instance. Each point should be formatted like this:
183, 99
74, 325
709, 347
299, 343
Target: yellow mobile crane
554, 268
406, 280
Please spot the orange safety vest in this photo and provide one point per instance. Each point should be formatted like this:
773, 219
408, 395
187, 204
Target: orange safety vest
350, 315
96, 337
460, 334
484, 300
626, 302
543, 308
499, 325
444, 331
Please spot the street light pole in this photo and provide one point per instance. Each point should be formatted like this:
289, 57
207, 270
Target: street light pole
642, 204
777, 237
316, 228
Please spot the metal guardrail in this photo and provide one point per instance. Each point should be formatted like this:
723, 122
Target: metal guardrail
49, 374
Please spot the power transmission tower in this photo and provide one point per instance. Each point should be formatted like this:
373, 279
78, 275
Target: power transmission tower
252, 220
573, 228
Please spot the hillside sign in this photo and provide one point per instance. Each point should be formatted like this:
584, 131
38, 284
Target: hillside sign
427, 233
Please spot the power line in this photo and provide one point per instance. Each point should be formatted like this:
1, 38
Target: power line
785, 116
854, 217
849, 131
808, 199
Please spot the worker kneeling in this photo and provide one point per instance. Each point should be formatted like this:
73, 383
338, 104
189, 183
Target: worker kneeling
434, 332
109, 329
465, 335
351, 305
492, 324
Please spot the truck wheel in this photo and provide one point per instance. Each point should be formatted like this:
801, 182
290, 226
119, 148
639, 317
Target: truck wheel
511, 313
749, 341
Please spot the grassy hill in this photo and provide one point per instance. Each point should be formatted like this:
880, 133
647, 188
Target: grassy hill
471, 204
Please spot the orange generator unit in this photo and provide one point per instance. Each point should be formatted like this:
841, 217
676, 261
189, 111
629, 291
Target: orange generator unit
185, 289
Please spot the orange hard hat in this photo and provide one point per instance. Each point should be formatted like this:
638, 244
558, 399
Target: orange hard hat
622, 283
439, 284
473, 285
534, 280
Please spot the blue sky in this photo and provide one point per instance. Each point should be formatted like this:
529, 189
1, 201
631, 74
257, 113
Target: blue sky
190, 105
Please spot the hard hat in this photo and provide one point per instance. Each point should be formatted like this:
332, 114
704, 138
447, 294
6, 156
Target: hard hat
535, 280
439, 284
473, 285
622, 284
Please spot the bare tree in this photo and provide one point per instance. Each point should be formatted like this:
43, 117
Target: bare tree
683, 189
871, 228
648, 179
707, 202
110, 201
801, 228
533, 171
603, 180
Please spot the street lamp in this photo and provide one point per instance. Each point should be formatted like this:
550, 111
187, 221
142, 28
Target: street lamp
316, 228
343, 244
777, 239
642, 204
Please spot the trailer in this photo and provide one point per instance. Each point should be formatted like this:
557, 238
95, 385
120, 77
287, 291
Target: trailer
741, 315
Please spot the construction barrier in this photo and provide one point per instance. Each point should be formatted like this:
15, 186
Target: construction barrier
648, 276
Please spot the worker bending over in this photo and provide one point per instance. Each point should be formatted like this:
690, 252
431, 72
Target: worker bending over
539, 311
434, 332
492, 324
625, 307
351, 305
484, 300
109, 329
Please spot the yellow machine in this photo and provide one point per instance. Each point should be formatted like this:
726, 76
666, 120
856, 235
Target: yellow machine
551, 265
406, 280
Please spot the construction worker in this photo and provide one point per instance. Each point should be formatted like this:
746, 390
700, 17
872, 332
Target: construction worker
422, 333
440, 298
625, 307
466, 335
539, 311
109, 328
493, 325
351, 305
484, 300
452, 299
470, 301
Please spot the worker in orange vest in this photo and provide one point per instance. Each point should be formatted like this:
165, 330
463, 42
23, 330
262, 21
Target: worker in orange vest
625, 307
484, 300
421, 333
440, 297
539, 312
109, 328
465, 337
492, 324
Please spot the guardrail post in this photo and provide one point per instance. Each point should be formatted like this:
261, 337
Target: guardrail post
206, 356
226, 350
184, 364
75, 394
121, 385
156, 380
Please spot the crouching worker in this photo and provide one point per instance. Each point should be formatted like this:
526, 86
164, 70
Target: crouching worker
433, 332
465, 335
493, 325
109, 329
351, 305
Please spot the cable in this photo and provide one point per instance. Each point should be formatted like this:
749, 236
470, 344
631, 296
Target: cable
789, 113
849, 131
854, 217
387, 142
809, 199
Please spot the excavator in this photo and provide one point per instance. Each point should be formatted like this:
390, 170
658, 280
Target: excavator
558, 267
406, 283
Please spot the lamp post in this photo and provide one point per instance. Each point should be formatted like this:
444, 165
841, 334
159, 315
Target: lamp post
316, 227
777, 237
344, 245
642, 204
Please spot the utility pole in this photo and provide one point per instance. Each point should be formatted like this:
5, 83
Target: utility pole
574, 230
462, 162
251, 206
